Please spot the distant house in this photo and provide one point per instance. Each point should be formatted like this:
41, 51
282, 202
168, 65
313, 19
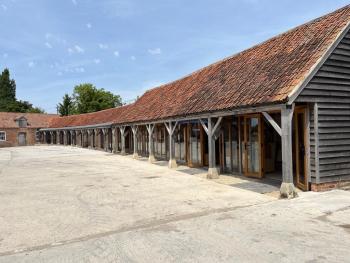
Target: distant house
20, 129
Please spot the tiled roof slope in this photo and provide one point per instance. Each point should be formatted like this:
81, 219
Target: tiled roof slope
35, 120
112, 115
264, 74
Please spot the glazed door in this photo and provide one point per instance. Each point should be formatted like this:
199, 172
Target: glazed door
252, 146
300, 148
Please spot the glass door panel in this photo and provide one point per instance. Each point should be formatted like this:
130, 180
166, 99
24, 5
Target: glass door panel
252, 139
300, 146
195, 145
234, 139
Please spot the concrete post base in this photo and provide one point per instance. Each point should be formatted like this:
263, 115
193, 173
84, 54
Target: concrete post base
288, 191
123, 153
172, 164
135, 156
213, 173
151, 159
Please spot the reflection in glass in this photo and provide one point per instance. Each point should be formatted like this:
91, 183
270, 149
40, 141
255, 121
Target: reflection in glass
253, 149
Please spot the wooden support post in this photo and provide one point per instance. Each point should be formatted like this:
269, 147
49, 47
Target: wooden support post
114, 140
71, 137
65, 137
123, 135
82, 138
150, 129
105, 139
213, 171
89, 135
51, 137
95, 139
287, 188
171, 129
135, 129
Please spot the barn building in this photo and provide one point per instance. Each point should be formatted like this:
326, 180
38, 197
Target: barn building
280, 109
21, 129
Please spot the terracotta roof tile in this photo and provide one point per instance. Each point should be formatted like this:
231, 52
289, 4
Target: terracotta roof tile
34, 120
264, 74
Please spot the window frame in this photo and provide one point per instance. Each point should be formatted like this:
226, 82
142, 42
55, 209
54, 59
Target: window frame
5, 135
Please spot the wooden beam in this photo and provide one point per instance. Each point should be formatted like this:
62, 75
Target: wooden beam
204, 126
272, 122
217, 125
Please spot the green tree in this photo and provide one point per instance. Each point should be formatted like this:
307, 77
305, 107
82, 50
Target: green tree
7, 86
88, 98
66, 107
8, 101
19, 106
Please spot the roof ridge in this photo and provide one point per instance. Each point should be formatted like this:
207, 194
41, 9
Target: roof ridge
252, 47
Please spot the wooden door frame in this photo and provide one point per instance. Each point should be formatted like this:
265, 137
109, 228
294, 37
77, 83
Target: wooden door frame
303, 110
259, 174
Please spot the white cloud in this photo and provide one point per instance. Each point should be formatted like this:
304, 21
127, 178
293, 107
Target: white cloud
155, 51
133, 58
31, 64
97, 61
55, 39
4, 7
80, 70
48, 45
116, 53
79, 49
88, 25
74, 2
75, 49
103, 46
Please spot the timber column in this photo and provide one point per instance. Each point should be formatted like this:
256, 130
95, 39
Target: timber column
106, 139
123, 135
89, 139
211, 129
213, 171
171, 129
65, 137
135, 129
287, 188
115, 140
96, 138
151, 158
51, 136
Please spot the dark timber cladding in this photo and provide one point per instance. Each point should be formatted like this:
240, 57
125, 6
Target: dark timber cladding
329, 93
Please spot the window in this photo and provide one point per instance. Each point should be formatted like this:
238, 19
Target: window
2, 136
22, 123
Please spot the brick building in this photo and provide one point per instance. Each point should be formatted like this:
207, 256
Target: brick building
20, 129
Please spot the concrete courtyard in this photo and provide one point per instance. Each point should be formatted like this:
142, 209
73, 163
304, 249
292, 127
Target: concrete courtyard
66, 204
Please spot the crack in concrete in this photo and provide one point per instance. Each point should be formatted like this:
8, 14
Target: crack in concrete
152, 224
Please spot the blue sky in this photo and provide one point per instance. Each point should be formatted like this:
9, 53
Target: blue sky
129, 46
